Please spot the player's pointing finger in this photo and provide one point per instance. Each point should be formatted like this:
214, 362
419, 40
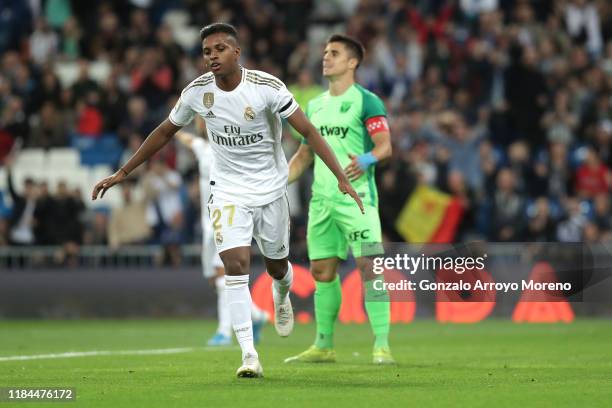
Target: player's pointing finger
350, 191
358, 200
96, 190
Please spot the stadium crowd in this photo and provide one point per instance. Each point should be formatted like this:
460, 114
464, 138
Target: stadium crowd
503, 104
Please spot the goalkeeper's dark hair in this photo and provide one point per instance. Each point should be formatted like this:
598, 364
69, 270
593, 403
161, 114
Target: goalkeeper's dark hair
352, 44
219, 28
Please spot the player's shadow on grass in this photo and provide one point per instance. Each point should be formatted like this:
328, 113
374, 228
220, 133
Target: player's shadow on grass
365, 363
374, 382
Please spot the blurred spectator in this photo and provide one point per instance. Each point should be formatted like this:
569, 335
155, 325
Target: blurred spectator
520, 164
507, 218
192, 231
113, 103
165, 210
593, 176
299, 60
90, 119
602, 142
49, 90
24, 85
541, 226
152, 78
71, 47
600, 111
392, 199
48, 130
45, 217
128, 223
84, 85
21, 223
571, 226
457, 187
560, 122
136, 120
4, 232
68, 212
15, 24
591, 233
57, 12
96, 229
553, 171
601, 213
139, 31
109, 40
463, 144
489, 163
44, 42
66, 110
430, 27
527, 101
582, 22
171, 51
13, 119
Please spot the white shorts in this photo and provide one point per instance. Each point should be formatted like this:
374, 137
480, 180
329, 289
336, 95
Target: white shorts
210, 257
235, 226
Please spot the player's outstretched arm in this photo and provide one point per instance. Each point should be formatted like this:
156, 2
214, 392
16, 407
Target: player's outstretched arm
155, 141
301, 160
300, 123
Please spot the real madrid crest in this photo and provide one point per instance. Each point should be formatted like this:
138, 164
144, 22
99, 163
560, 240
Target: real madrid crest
209, 99
218, 237
249, 113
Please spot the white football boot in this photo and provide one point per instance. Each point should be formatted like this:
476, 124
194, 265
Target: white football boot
283, 315
250, 368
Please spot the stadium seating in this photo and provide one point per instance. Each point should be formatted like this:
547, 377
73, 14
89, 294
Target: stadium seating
63, 158
68, 71
31, 158
104, 150
66, 165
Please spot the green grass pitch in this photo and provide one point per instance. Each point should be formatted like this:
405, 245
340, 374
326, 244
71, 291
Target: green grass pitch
491, 364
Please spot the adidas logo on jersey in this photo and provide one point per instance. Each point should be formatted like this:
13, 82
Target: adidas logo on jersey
210, 115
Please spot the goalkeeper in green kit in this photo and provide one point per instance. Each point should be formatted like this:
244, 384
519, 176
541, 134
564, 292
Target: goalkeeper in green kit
353, 122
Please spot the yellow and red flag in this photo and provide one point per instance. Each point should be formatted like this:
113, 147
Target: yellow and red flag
429, 216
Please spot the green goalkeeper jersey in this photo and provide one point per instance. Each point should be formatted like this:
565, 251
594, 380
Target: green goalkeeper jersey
341, 120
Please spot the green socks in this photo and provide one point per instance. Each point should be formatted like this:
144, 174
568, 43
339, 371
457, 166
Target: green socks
327, 300
379, 312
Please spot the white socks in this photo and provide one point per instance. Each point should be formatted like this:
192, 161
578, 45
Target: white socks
223, 315
239, 303
282, 286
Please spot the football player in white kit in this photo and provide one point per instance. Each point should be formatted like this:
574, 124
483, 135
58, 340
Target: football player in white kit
243, 110
212, 266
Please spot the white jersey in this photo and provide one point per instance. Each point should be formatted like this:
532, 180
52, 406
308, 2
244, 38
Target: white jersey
244, 129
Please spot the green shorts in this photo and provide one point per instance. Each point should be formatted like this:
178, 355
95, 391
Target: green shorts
335, 226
